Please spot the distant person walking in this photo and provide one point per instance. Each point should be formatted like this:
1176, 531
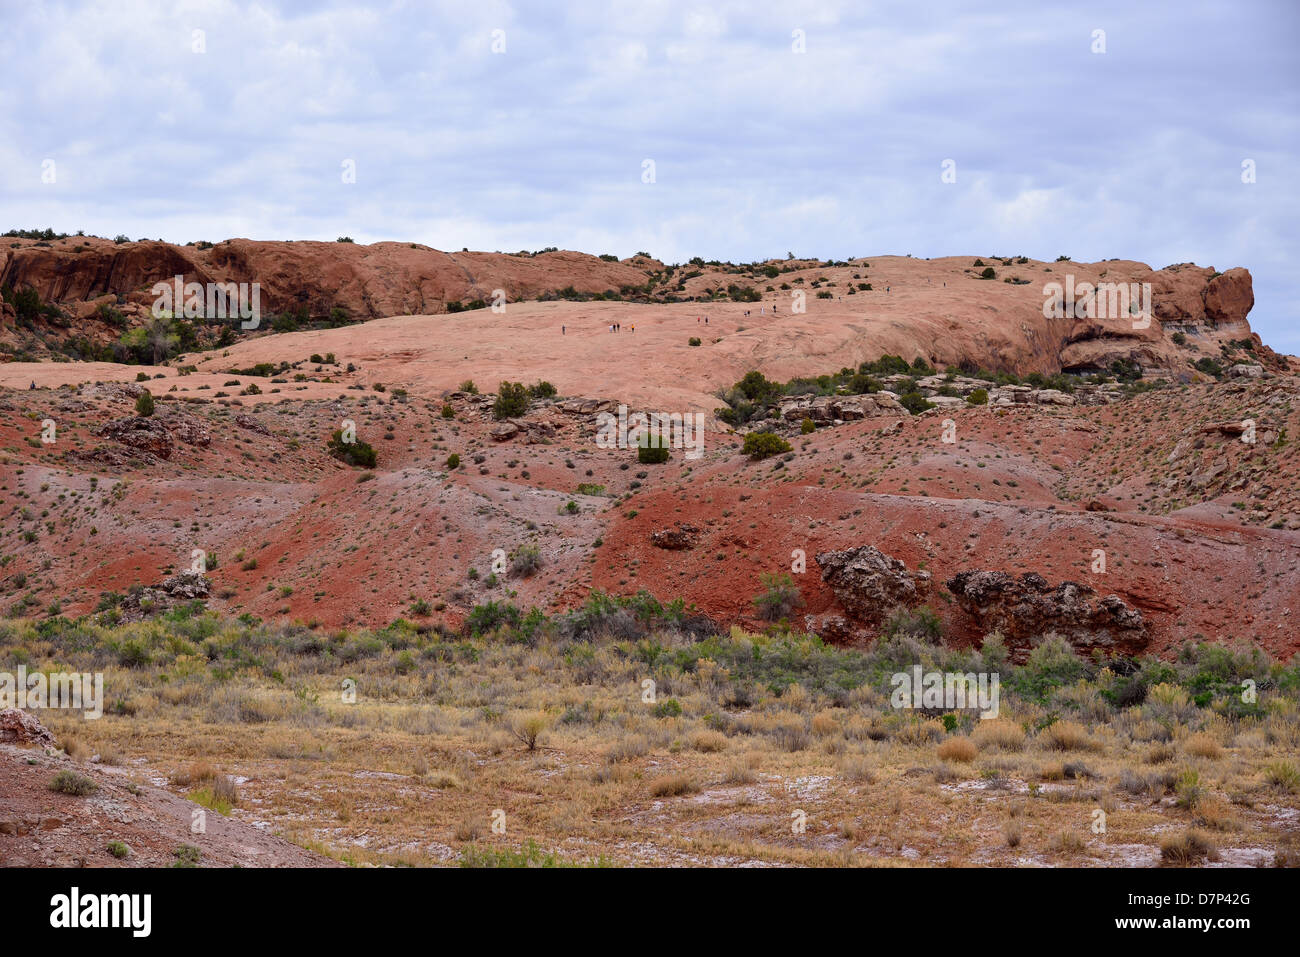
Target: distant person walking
561, 330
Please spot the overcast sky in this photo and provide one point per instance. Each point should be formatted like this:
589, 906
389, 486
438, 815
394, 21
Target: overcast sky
757, 149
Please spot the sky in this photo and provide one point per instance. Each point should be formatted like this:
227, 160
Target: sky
732, 131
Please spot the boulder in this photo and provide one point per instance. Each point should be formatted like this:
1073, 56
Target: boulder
1026, 608
870, 584
1233, 429
683, 537
1229, 297
144, 434
155, 599
587, 406
19, 727
188, 429
246, 421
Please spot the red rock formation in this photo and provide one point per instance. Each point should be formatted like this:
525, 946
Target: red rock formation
1025, 609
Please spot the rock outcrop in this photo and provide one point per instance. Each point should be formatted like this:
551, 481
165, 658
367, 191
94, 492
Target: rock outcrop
144, 434
155, 599
366, 281
870, 584
246, 421
949, 317
19, 727
683, 537
840, 408
187, 429
1026, 608
587, 406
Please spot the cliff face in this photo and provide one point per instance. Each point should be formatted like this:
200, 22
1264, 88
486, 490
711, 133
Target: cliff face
384, 279
1192, 300
940, 309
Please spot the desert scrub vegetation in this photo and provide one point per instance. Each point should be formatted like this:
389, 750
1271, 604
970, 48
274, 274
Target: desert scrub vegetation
512, 400
778, 599
762, 445
70, 782
652, 450
355, 453
577, 723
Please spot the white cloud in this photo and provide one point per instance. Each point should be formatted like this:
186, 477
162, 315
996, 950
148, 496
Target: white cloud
1135, 153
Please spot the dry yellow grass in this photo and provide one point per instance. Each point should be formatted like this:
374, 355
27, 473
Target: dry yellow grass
957, 749
709, 742
1203, 745
999, 734
1187, 847
673, 785
1066, 736
415, 769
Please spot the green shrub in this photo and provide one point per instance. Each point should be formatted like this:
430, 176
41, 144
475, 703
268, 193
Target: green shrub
491, 616
1209, 366
914, 402
353, 453
118, 849
779, 598
133, 654
668, 708
453, 461
652, 450
761, 445
1053, 664
978, 397
70, 782
144, 404
807, 427
693, 341
920, 623
187, 855
511, 402
525, 560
